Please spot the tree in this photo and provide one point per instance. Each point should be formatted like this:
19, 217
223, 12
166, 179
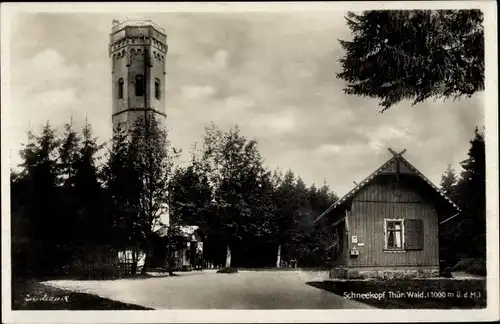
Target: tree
152, 161
68, 155
414, 54
471, 190
319, 236
300, 221
92, 226
190, 203
293, 216
448, 182
308, 243
235, 171
190, 196
36, 191
123, 189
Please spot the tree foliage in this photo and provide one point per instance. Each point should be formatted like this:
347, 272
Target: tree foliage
62, 200
137, 176
243, 205
471, 190
449, 180
152, 160
465, 235
122, 184
397, 55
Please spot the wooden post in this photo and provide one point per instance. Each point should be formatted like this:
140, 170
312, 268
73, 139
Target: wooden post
346, 221
228, 257
278, 261
346, 238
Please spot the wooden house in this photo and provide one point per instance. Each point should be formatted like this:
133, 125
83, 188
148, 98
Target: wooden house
191, 255
388, 225
188, 251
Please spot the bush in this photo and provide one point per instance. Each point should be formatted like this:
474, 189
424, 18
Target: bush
186, 268
446, 273
227, 270
93, 264
472, 266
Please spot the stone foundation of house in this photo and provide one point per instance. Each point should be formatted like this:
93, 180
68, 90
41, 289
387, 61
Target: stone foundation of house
384, 273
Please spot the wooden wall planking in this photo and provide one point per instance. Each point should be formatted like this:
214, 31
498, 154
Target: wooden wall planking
388, 199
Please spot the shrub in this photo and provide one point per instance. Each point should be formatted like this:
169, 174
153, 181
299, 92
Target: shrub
186, 268
93, 263
472, 266
227, 270
446, 273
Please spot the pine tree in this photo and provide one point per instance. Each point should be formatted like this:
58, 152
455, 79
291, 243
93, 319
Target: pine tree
448, 182
471, 190
39, 195
68, 156
414, 54
90, 223
44, 179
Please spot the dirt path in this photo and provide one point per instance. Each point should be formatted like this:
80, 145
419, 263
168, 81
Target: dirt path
209, 290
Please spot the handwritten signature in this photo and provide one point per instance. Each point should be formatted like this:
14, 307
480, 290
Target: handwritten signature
45, 298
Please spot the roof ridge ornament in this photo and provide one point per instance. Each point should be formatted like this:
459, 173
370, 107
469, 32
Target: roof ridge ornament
396, 154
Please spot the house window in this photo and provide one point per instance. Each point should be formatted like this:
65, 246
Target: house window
139, 85
120, 88
157, 89
394, 234
125, 256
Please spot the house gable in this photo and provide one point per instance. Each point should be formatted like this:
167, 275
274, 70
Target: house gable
397, 165
388, 188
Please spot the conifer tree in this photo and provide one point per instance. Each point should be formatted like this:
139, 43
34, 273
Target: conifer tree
90, 218
471, 190
449, 182
38, 193
398, 55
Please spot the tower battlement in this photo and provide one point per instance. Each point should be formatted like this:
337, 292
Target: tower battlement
117, 25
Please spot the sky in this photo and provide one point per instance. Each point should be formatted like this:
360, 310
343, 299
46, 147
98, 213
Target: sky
273, 74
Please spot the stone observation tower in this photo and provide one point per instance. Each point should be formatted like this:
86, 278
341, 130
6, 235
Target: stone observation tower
138, 51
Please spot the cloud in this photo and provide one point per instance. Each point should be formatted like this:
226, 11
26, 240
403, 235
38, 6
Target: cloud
386, 135
194, 92
45, 70
274, 123
56, 98
278, 84
220, 59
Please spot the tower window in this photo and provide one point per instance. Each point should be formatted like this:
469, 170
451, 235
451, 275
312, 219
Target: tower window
120, 89
139, 85
157, 89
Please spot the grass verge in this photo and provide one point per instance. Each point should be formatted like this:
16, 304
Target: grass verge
411, 294
30, 294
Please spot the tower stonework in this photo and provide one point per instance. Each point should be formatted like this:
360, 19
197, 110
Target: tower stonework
138, 51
